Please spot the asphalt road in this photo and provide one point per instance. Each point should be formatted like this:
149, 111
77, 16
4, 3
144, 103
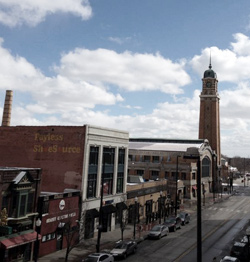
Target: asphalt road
222, 224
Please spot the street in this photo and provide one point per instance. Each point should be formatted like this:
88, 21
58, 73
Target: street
222, 224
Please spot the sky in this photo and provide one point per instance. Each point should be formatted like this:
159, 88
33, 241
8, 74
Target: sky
134, 65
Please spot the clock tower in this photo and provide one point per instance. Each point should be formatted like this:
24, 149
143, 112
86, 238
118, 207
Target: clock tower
209, 126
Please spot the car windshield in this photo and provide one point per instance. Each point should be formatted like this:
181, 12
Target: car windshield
121, 246
170, 220
238, 249
91, 259
156, 228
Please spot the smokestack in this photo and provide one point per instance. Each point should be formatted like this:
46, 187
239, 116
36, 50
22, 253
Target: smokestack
7, 108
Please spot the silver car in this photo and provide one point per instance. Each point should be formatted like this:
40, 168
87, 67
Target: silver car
185, 218
158, 231
124, 248
99, 257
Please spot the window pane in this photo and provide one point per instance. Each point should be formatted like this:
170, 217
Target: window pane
93, 155
30, 203
91, 190
22, 210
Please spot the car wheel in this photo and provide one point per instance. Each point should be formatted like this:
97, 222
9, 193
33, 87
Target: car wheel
174, 229
134, 250
125, 255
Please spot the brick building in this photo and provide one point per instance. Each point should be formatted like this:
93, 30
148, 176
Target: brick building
19, 190
57, 212
73, 157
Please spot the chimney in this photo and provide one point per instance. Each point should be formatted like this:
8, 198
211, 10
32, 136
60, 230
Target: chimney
7, 108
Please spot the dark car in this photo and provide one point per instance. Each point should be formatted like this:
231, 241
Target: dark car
240, 250
173, 223
185, 218
124, 248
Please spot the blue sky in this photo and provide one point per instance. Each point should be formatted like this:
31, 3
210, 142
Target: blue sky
130, 65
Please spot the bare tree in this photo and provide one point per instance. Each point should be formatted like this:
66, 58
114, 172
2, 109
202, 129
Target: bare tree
123, 221
73, 231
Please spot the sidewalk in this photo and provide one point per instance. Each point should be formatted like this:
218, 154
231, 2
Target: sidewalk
109, 238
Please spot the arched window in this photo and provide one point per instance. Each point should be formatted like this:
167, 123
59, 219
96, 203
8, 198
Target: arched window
206, 167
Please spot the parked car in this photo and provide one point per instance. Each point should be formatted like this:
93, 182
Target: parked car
99, 257
240, 251
244, 240
185, 218
158, 231
229, 259
124, 248
173, 223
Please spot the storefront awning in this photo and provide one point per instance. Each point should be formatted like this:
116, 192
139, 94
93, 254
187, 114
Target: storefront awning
19, 240
121, 206
194, 187
108, 209
92, 213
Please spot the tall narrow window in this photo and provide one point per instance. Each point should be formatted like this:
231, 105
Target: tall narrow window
205, 167
30, 202
92, 173
91, 190
93, 155
108, 170
120, 181
23, 201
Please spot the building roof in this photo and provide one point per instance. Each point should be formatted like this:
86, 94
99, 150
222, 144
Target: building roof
169, 145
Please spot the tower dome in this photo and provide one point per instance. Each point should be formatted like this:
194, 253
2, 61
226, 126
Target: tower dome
210, 72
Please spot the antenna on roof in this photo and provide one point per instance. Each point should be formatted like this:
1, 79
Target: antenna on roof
210, 65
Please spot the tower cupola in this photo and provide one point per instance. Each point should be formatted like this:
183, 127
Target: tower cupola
209, 73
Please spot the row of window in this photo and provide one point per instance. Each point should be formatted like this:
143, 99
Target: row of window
146, 158
19, 204
107, 171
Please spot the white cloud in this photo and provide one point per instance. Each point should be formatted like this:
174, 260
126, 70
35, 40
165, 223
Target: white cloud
119, 40
32, 12
242, 45
231, 65
50, 94
87, 78
129, 71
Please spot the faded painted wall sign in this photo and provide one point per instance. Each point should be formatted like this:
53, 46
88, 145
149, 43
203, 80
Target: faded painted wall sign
41, 148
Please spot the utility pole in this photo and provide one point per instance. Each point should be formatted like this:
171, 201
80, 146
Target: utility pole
176, 181
196, 156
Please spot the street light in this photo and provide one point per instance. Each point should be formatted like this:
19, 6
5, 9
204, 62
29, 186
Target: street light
38, 224
135, 214
203, 192
176, 181
101, 204
248, 236
221, 187
160, 207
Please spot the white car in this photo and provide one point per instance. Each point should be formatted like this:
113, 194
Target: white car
158, 231
229, 259
99, 257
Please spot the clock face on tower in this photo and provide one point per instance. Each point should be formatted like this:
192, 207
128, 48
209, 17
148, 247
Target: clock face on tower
208, 84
